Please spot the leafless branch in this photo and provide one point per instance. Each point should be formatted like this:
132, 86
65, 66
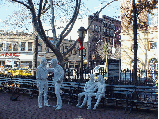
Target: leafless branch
22, 3
45, 10
97, 13
52, 21
46, 1
68, 31
40, 9
87, 27
71, 48
71, 21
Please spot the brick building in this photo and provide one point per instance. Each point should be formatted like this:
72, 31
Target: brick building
103, 30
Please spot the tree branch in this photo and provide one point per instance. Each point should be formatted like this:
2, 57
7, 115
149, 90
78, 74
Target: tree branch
22, 3
86, 29
45, 10
68, 31
72, 19
52, 22
69, 50
97, 13
40, 9
46, 1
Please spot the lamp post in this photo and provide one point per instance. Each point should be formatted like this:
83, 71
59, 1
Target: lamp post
135, 43
81, 32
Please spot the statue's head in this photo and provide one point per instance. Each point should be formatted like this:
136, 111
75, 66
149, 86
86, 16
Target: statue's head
54, 63
100, 78
92, 77
43, 61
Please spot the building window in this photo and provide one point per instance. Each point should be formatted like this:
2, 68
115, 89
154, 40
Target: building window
153, 45
15, 46
104, 30
119, 27
9, 47
22, 46
99, 28
96, 28
30, 46
108, 31
93, 27
116, 28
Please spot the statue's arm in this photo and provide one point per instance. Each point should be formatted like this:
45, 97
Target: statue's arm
38, 74
50, 70
103, 89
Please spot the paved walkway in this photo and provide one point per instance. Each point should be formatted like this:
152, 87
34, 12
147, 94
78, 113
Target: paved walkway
27, 109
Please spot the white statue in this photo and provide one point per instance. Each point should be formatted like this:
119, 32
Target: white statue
90, 87
41, 76
100, 93
58, 79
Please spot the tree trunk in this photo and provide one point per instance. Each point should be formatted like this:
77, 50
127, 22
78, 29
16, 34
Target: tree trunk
35, 53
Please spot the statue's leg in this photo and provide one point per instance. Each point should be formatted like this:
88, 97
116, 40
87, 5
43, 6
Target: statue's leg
45, 94
98, 100
85, 99
57, 92
40, 95
79, 98
89, 100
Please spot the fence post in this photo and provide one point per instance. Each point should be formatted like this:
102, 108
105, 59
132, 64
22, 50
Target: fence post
139, 76
125, 77
130, 76
146, 76
120, 76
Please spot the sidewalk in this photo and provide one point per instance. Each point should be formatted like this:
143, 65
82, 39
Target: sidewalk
27, 109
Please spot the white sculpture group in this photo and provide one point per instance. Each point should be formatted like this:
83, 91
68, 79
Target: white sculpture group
89, 90
42, 83
90, 87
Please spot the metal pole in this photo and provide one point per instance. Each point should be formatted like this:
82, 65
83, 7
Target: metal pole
135, 42
82, 58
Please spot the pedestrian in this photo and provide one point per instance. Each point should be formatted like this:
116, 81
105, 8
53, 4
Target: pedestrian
42, 83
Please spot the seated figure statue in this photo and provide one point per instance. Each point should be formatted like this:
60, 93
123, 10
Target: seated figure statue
90, 87
100, 93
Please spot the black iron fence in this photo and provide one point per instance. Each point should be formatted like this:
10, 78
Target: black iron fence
147, 77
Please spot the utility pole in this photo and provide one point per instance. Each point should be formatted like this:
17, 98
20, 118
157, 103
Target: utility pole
135, 43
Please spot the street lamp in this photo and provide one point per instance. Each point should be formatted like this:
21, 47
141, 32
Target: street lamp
81, 31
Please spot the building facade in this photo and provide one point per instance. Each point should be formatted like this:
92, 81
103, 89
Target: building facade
17, 48
103, 30
147, 37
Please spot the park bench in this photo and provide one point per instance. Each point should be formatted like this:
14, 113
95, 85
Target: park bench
143, 97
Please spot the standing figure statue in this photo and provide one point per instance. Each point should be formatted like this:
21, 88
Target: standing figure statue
41, 76
58, 79
90, 87
100, 93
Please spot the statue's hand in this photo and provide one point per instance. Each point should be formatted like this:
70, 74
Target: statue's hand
38, 84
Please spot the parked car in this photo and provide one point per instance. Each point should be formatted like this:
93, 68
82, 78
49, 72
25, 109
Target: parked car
97, 69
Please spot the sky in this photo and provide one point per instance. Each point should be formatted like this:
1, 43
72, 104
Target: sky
112, 10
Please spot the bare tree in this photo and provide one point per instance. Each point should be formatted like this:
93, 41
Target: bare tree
37, 15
